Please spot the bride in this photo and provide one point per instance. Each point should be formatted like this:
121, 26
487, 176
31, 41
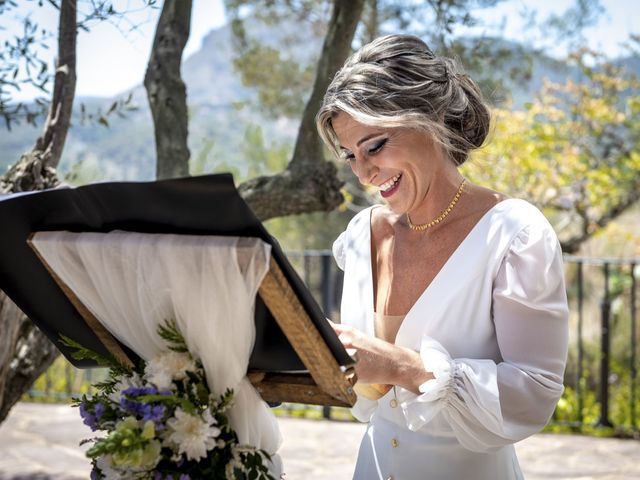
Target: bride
454, 295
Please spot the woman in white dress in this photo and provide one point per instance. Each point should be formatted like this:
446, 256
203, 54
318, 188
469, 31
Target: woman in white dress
454, 296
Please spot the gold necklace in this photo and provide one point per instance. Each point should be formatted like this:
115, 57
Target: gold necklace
443, 214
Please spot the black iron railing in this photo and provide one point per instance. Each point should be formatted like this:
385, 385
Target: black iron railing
617, 362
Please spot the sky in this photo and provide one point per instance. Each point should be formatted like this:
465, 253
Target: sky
621, 18
112, 57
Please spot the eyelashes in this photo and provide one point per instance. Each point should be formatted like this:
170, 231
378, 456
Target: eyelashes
372, 150
376, 147
347, 156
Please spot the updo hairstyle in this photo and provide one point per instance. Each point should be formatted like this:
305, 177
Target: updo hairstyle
397, 82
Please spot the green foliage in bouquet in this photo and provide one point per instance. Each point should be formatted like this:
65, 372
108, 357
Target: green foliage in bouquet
162, 422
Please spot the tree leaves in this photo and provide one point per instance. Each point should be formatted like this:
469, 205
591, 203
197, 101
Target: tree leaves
25, 58
118, 107
572, 152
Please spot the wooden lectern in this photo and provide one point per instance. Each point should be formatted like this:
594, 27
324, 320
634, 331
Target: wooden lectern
296, 357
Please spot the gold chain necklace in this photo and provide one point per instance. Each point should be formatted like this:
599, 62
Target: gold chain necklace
443, 214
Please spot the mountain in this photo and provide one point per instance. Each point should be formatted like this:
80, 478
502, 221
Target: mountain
221, 110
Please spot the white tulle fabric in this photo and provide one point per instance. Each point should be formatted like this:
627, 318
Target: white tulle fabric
492, 328
131, 282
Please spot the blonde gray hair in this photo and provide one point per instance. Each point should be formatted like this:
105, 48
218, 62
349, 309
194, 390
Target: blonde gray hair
396, 81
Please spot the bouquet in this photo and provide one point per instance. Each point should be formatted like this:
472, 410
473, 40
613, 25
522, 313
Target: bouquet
162, 422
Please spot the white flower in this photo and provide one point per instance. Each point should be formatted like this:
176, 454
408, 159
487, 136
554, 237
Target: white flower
193, 435
126, 381
168, 366
104, 463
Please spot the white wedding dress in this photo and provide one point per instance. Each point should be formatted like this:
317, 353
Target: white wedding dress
493, 329
132, 282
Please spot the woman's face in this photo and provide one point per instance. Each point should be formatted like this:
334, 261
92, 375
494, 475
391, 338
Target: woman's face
401, 163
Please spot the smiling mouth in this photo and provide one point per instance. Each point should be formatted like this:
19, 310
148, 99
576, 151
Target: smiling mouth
389, 187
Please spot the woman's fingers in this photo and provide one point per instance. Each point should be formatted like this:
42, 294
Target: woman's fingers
342, 330
339, 327
346, 338
346, 334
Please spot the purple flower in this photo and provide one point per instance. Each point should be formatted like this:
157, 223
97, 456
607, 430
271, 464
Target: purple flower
98, 410
144, 411
138, 391
94, 475
87, 417
184, 476
136, 408
155, 413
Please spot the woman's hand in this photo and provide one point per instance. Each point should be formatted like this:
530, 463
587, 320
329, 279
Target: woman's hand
383, 362
373, 355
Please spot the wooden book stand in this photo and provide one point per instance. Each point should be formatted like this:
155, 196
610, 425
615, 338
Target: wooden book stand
311, 366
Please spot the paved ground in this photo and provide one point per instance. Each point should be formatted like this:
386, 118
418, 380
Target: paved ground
40, 442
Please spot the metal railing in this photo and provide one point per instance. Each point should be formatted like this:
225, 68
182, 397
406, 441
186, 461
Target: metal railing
617, 286
603, 337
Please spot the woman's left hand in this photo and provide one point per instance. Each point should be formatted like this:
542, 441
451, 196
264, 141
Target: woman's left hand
383, 362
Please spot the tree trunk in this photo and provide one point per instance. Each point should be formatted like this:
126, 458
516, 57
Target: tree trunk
309, 183
589, 225
25, 352
166, 91
36, 169
372, 20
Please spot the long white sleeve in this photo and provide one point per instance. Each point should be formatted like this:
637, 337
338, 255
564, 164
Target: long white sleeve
489, 404
363, 408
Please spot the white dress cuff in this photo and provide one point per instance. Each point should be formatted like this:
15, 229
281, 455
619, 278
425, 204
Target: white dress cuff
462, 389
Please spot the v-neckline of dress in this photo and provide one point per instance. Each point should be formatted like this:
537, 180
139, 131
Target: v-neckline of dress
440, 272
